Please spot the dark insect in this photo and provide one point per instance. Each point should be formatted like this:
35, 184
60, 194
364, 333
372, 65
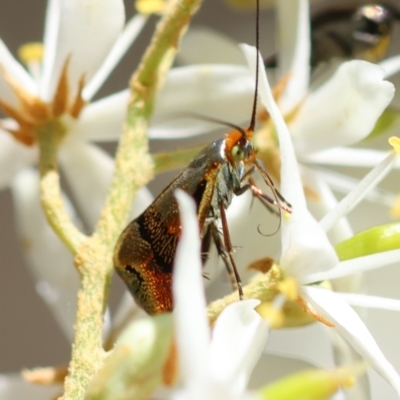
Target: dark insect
144, 254
350, 32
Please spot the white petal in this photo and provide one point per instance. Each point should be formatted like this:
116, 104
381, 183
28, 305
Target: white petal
192, 331
341, 231
391, 66
324, 202
359, 192
207, 46
12, 67
310, 344
294, 49
345, 184
239, 338
306, 249
325, 121
124, 41
48, 259
346, 356
219, 91
349, 157
291, 186
88, 170
13, 386
103, 120
359, 264
301, 254
13, 157
366, 300
86, 32
352, 328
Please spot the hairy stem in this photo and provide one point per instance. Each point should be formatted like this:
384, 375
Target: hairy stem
264, 289
49, 137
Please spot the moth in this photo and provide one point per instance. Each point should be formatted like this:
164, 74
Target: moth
145, 252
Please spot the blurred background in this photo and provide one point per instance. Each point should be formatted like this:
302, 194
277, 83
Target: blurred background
29, 336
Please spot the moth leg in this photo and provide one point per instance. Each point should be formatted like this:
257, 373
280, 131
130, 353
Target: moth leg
205, 244
229, 249
264, 198
223, 254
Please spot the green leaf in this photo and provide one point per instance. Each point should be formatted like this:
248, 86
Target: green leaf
374, 240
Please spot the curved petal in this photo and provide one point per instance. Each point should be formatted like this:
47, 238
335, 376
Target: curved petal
305, 247
345, 356
85, 31
103, 120
245, 215
121, 46
349, 157
9, 65
291, 185
324, 121
207, 46
341, 231
345, 184
366, 300
48, 259
192, 331
359, 192
322, 202
217, 91
14, 386
352, 328
88, 170
238, 340
14, 156
355, 265
294, 49
315, 250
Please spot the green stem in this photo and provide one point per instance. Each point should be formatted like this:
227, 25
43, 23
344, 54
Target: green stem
87, 351
49, 138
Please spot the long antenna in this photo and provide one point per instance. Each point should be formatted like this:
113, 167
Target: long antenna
254, 112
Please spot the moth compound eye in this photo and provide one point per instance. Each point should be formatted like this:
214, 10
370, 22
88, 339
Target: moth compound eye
237, 153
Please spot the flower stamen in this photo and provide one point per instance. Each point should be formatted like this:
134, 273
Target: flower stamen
309, 309
147, 7
60, 99
79, 102
394, 141
31, 54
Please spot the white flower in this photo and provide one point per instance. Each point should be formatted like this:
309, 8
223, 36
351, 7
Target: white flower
217, 364
307, 254
72, 71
